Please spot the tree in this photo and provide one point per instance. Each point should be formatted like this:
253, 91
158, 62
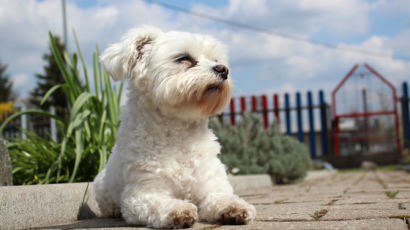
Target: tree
51, 77
6, 91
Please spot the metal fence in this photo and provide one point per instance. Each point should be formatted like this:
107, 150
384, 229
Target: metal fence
38, 124
290, 117
310, 122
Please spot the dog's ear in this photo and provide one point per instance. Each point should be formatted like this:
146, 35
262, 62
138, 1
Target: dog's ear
128, 56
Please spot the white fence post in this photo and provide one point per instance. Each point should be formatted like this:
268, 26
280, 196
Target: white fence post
23, 122
53, 124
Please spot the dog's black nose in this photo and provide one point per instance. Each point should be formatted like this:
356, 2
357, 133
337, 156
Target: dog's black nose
222, 71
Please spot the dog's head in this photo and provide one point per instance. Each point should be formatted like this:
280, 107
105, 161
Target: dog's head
182, 74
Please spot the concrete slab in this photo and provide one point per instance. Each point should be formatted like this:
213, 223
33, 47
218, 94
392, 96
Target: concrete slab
250, 182
45, 205
374, 224
355, 214
42, 205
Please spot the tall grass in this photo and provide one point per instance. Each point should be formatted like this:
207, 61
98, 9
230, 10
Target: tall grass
87, 136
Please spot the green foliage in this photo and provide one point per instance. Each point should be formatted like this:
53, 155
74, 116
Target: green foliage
391, 194
52, 76
249, 148
6, 85
87, 136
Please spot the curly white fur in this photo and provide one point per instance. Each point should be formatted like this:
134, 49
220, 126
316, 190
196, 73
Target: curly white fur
164, 171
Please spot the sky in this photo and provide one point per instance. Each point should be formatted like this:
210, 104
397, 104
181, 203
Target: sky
282, 58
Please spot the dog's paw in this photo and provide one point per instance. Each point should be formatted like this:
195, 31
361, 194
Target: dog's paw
184, 217
237, 213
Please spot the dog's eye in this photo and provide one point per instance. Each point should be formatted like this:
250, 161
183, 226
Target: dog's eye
186, 59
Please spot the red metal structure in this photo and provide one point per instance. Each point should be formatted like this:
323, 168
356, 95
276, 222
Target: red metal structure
365, 113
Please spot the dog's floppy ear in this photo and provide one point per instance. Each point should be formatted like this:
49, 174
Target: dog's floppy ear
121, 58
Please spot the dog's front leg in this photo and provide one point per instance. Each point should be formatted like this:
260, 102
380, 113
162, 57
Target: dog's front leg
216, 200
156, 208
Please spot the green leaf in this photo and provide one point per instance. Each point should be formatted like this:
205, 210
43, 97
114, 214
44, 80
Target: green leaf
49, 92
82, 61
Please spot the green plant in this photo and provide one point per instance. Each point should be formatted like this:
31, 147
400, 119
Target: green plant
87, 136
281, 201
319, 214
391, 194
249, 148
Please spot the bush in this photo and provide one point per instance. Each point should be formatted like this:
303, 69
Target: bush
249, 148
87, 136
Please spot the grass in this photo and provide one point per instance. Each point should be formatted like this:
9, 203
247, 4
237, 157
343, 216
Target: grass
387, 168
281, 201
86, 137
319, 214
381, 168
391, 194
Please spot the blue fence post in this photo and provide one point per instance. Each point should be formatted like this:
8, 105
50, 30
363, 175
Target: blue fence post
323, 122
299, 116
287, 115
312, 139
405, 115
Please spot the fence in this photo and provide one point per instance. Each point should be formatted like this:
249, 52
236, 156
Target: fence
318, 127
38, 124
405, 114
317, 131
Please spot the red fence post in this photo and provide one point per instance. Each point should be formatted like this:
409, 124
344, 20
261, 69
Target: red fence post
243, 104
276, 107
232, 106
254, 104
265, 111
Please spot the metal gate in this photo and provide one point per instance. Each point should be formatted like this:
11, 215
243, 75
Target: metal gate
365, 113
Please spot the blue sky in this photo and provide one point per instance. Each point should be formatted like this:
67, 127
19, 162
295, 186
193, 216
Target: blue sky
259, 63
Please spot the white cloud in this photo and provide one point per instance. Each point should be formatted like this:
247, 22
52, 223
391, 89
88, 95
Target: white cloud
259, 61
22, 84
301, 17
20, 79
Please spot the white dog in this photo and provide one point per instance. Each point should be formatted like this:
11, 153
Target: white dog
164, 171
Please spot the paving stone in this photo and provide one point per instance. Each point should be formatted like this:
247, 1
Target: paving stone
355, 214
342, 201
374, 224
367, 205
405, 186
287, 212
366, 198
367, 190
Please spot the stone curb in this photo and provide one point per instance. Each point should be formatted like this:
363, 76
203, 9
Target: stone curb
35, 206
319, 174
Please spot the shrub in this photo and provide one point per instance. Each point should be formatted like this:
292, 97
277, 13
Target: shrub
87, 136
249, 148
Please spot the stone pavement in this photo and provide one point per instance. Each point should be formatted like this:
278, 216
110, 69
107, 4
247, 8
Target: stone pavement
360, 200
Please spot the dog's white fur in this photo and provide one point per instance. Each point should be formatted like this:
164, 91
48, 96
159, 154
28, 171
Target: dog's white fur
164, 171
